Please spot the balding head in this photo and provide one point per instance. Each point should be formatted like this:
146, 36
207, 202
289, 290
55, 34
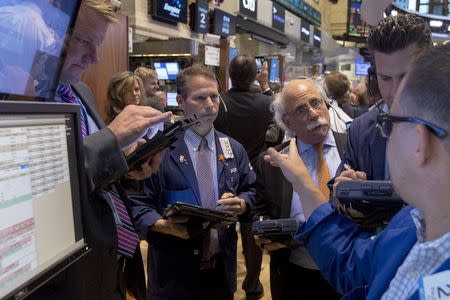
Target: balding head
301, 109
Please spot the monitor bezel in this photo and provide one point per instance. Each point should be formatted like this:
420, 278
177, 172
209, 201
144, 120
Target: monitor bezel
78, 179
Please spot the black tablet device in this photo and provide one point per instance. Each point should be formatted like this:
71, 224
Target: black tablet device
199, 215
278, 230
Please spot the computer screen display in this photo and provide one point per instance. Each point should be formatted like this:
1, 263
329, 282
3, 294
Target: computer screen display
167, 70
274, 71
172, 99
224, 23
32, 35
361, 67
40, 192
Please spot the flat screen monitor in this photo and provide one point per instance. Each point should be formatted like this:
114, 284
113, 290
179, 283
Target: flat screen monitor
361, 67
224, 23
170, 11
40, 193
274, 71
172, 99
32, 35
167, 70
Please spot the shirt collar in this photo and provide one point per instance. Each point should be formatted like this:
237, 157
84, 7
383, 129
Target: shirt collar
193, 139
328, 141
419, 221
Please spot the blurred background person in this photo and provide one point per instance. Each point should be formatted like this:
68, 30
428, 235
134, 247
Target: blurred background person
149, 78
125, 88
338, 88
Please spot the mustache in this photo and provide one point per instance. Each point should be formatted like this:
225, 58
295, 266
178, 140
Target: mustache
319, 122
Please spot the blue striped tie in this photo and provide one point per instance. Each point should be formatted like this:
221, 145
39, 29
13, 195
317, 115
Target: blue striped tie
126, 235
67, 96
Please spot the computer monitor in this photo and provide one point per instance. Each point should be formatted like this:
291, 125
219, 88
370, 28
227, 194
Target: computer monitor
167, 70
32, 39
172, 99
41, 187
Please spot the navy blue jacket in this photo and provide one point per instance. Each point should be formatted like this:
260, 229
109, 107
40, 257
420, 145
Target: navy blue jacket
357, 264
174, 262
366, 148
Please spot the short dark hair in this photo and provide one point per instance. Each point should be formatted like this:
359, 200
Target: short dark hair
194, 70
397, 33
242, 72
429, 100
338, 87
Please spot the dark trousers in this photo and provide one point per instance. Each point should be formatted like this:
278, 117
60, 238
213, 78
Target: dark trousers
289, 281
253, 258
213, 284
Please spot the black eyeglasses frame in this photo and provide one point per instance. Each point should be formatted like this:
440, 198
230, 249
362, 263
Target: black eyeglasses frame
385, 123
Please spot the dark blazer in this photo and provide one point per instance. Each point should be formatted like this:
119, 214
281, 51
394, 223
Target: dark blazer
366, 148
245, 116
274, 198
173, 263
98, 274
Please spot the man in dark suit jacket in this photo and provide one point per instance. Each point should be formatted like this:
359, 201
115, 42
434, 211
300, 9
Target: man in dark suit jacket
246, 116
300, 110
100, 274
182, 266
394, 41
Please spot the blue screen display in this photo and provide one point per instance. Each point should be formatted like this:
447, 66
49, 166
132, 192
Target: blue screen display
361, 67
274, 72
32, 35
167, 70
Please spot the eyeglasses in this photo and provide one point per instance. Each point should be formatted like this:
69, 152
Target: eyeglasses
385, 123
302, 111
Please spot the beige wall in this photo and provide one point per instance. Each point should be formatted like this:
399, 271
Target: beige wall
334, 16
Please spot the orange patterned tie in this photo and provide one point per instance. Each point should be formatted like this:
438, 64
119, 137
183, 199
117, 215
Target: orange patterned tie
323, 173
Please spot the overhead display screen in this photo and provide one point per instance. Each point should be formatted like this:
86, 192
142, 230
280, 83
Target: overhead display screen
357, 27
171, 11
200, 17
278, 14
224, 23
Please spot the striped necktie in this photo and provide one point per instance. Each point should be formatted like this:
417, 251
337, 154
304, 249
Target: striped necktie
204, 176
323, 173
67, 96
126, 235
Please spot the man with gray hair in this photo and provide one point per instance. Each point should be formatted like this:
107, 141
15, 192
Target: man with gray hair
300, 110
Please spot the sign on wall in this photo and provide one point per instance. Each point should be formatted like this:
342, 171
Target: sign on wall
212, 56
278, 16
248, 8
200, 16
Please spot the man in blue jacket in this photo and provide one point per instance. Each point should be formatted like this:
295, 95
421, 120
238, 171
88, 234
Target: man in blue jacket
410, 256
205, 168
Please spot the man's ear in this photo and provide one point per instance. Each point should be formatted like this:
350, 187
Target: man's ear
180, 101
286, 122
425, 146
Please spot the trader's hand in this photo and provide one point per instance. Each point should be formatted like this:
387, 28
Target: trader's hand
147, 168
133, 123
232, 204
263, 77
347, 175
175, 226
267, 244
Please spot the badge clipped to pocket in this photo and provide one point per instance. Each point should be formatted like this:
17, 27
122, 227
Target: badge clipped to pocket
226, 147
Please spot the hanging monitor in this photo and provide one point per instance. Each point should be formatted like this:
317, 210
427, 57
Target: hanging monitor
32, 36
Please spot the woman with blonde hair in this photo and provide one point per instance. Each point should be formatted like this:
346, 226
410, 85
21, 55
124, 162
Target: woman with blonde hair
124, 89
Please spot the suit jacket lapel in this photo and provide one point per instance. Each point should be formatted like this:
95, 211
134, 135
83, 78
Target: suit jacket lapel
89, 103
181, 158
286, 197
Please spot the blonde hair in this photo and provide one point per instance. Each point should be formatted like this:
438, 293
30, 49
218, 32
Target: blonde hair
103, 8
120, 84
146, 73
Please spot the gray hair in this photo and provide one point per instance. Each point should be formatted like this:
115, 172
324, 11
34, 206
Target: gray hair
279, 109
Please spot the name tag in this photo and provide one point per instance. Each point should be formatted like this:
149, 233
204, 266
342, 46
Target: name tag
435, 286
226, 147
